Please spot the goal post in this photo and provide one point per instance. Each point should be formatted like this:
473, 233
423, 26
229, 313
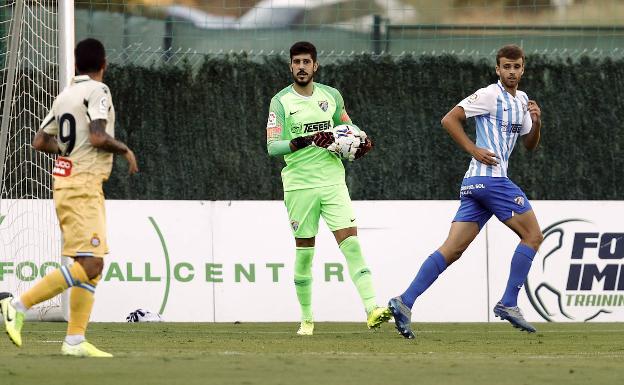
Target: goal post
37, 62
66, 42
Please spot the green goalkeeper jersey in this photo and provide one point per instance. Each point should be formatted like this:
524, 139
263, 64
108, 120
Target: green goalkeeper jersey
292, 115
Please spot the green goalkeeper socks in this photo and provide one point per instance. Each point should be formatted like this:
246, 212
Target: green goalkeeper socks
303, 280
359, 272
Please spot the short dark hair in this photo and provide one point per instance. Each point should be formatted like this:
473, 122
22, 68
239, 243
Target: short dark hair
303, 47
90, 56
510, 51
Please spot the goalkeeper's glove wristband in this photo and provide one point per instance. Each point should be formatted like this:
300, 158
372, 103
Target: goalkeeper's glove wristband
324, 139
302, 141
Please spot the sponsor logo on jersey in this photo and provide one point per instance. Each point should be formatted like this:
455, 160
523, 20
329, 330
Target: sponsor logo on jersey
519, 201
274, 133
295, 128
324, 105
272, 122
513, 128
62, 167
472, 98
316, 126
578, 274
294, 225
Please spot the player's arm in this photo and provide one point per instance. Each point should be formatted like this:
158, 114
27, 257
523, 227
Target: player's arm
283, 147
476, 104
45, 138
100, 139
45, 142
99, 104
453, 122
531, 140
276, 145
340, 115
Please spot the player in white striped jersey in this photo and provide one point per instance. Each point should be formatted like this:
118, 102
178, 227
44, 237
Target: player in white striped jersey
502, 114
500, 118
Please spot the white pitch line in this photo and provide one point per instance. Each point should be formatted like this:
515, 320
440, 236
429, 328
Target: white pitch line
358, 354
317, 332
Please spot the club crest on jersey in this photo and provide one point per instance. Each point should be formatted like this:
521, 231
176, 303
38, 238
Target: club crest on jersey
95, 241
62, 167
324, 105
294, 225
519, 201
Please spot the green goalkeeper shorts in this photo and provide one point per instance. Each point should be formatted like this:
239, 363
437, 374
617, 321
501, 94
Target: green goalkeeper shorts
306, 206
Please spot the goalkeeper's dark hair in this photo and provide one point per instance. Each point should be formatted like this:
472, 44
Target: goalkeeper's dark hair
90, 56
303, 47
512, 52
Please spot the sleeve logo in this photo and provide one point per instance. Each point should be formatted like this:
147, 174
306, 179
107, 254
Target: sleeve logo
272, 122
104, 105
472, 98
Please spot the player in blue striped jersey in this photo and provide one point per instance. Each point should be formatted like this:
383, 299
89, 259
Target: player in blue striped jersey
502, 114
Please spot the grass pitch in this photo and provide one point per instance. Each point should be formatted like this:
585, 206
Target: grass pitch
338, 353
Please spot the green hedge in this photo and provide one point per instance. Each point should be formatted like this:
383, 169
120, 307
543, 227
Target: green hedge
199, 134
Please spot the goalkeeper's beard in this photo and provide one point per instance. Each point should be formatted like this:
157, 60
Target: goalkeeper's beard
303, 83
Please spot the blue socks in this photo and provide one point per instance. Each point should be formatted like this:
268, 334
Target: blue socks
428, 273
435, 265
520, 266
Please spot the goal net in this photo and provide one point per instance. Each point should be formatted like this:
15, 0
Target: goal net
30, 240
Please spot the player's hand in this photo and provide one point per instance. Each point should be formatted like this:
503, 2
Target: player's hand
323, 139
534, 110
485, 156
132, 163
364, 148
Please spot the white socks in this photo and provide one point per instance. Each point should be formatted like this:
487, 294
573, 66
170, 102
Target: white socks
74, 339
18, 305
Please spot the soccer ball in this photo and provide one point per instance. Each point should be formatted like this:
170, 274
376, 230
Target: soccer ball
347, 139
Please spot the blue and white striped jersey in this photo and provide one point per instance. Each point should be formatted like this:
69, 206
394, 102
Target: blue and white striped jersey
500, 119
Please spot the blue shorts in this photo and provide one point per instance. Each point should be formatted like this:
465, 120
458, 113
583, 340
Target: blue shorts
482, 196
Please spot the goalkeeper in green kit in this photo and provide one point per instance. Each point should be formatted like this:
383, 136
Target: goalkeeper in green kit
300, 127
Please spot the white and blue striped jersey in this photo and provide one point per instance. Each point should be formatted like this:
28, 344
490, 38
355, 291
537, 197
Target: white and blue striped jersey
500, 119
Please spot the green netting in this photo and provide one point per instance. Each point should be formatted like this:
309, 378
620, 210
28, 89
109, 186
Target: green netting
200, 134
